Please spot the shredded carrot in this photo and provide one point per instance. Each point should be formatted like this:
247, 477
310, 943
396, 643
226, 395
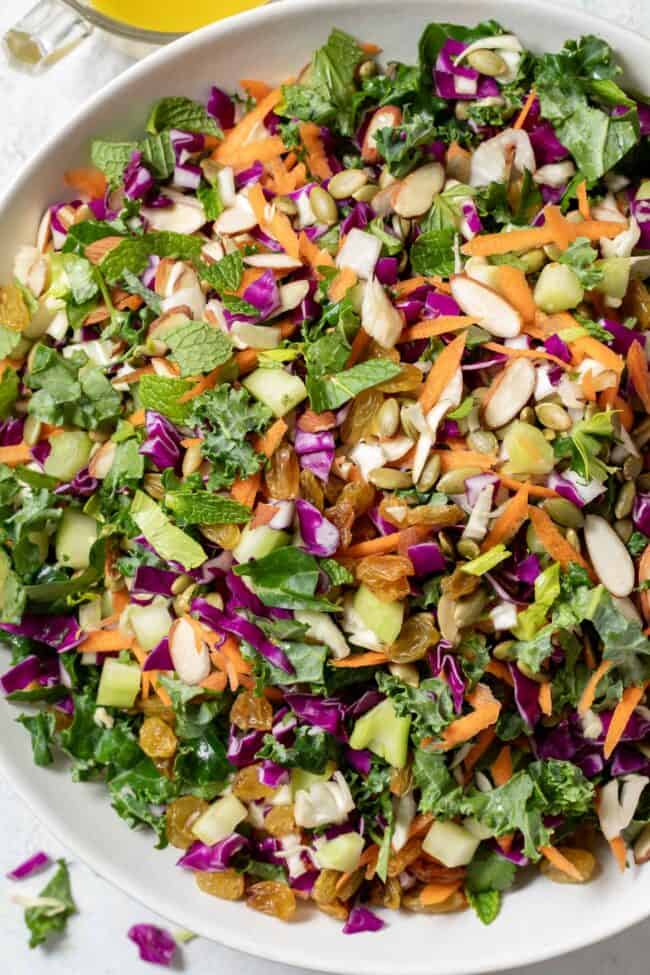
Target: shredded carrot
589, 693
525, 353
589, 347
20, 453
437, 893
478, 749
360, 343
513, 284
283, 181
534, 490
420, 825
137, 418
501, 767
404, 288
201, 386
123, 301
560, 862
499, 670
313, 255
370, 659
583, 201
370, 856
246, 490
467, 727
316, 155
555, 544
525, 110
246, 361
442, 372
105, 641
630, 699
191, 442
637, 367
618, 848
257, 90
133, 377
216, 681
344, 280
239, 134
545, 698
451, 460
509, 521
369, 48
119, 601
88, 181
431, 327
587, 386
382, 544
609, 399
261, 151
264, 513
555, 227
149, 676
269, 442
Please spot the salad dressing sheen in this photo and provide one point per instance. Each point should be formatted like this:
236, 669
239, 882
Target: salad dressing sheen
168, 15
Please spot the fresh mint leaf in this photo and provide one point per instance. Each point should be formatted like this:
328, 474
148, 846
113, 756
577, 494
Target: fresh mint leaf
41, 728
446, 209
203, 508
162, 394
211, 201
112, 158
132, 254
72, 391
224, 275
51, 918
158, 155
584, 443
198, 347
489, 871
178, 112
338, 574
136, 287
486, 904
433, 253
330, 392
286, 578
81, 277
225, 416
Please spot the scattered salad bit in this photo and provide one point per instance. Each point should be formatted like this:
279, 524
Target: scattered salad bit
29, 866
47, 914
155, 945
325, 480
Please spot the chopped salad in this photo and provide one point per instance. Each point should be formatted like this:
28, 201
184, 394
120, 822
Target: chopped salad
325, 482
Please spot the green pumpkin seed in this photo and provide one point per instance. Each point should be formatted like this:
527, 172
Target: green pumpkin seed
180, 584
153, 486
387, 420
182, 602
368, 69
534, 261
347, 182
625, 500
366, 194
429, 474
553, 416
482, 441
461, 111
564, 513
641, 433
527, 415
389, 479
32, 431
487, 62
533, 542
453, 482
624, 528
468, 548
632, 467
323, 205
286, 205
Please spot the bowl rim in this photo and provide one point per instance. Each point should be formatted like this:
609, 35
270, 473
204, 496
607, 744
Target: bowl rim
19, 777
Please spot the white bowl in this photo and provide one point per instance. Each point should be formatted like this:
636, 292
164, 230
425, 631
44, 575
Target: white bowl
541, 919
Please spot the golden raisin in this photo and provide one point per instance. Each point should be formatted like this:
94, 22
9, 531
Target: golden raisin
637, 302
272, 898
361, 414
180, 817
335, 909
386, 895
455, 902
582, 860
154, 707
226, 884
351, 884
436, 515
407, 381
386, 575
403, 858
417, 636
279, 821
157, 740
355, 500
312, 489
429, 871
252, 711
283, 474
400, 780
324, 890
460, 584
247, 784
225, 536
394, 510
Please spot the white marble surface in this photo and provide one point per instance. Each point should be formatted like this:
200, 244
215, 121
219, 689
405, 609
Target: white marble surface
30, 110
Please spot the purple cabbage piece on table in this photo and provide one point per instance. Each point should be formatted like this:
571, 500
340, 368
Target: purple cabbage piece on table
155, 945
29, 866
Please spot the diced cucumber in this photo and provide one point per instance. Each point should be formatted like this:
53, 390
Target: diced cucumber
384, 619
255, 543
450, 843
558, 288
342, 853
150, 623
277, 389
384, 733
119, 684
477, 829
616, 276
323, 630
70, 452
303, 780
75, 537
219, 820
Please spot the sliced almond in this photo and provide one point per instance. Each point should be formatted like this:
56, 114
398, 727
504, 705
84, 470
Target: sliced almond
382, 202
280, 262
212, 252
162, 368
292, 294
102, 460
185, 216
415, 193
44, 235
387, 117
97, 251
378, 316
513, 391
611, 559
189, 654
495, 314
236, 220
169, 320
30, 267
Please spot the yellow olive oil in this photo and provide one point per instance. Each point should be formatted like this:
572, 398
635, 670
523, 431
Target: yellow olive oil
172, 15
